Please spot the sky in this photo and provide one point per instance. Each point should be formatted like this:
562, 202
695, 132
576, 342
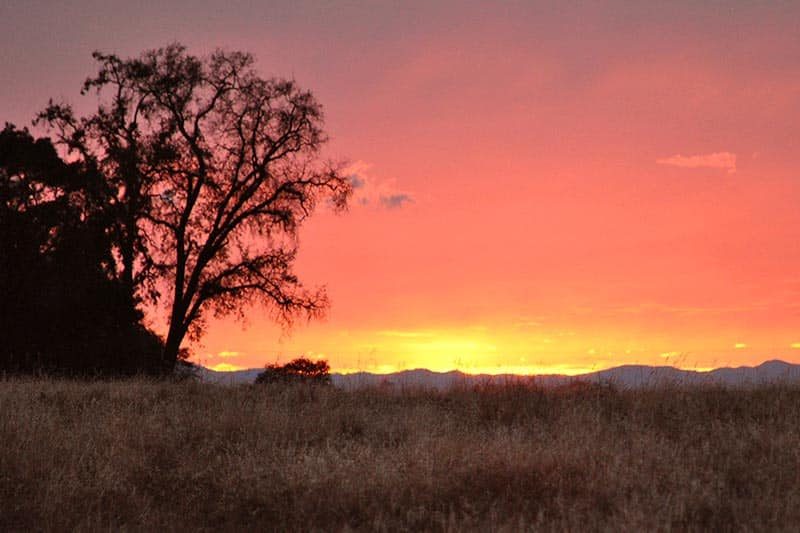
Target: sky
545, 187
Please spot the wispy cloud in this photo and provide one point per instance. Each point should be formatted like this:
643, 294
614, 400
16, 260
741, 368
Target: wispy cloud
357, 181
226, 353
393, 201
370, 190
405, 334
526, 323
721, 160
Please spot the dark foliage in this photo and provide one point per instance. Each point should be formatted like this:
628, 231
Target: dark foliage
60, 309
208, 170
300, 370
186, 188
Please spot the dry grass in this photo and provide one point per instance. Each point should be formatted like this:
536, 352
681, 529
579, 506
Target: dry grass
144, 455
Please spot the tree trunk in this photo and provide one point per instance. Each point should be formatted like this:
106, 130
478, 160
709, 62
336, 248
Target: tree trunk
127, 274
172, 348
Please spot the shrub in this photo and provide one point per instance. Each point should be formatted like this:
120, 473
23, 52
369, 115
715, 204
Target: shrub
300, 370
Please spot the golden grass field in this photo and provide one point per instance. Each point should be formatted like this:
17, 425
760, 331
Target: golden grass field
141, 455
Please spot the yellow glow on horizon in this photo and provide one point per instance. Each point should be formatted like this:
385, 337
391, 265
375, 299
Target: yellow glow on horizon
480, 350
475, 370
405, 334
226, 367
499, 348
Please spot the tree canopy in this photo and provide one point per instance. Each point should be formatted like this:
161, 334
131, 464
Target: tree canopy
300, 370
60, 310
207, 170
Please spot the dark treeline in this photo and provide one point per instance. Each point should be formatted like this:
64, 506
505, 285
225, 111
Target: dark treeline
185, 189
62, 307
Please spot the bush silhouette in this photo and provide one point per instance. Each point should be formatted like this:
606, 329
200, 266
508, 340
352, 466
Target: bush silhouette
300, 370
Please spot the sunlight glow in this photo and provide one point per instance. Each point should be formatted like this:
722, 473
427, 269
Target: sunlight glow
226, 367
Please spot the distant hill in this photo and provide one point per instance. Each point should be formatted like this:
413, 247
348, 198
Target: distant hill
627, 376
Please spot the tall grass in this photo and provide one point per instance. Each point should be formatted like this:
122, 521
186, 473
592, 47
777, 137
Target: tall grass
147, 455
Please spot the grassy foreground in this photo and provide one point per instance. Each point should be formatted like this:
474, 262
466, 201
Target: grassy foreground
144, 455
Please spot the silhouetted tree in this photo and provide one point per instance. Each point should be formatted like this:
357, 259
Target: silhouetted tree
60, 310
210, 170
300, 370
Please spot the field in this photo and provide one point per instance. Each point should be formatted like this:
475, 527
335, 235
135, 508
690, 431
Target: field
147, 455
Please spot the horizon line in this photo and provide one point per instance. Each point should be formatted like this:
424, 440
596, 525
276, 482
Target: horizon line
488, 371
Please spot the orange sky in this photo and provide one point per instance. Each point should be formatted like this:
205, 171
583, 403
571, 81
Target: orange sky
546, 189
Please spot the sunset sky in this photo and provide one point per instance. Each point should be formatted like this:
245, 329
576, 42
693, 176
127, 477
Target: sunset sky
541, 188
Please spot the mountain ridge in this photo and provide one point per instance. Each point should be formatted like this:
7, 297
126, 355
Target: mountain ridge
624, 376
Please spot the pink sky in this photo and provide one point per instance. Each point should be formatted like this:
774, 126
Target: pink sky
547, 188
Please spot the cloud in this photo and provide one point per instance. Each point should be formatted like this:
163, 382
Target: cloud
393, 201
356, 181
740, 346
228, 354
370, 190
527, 323
722, 160
406, 334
